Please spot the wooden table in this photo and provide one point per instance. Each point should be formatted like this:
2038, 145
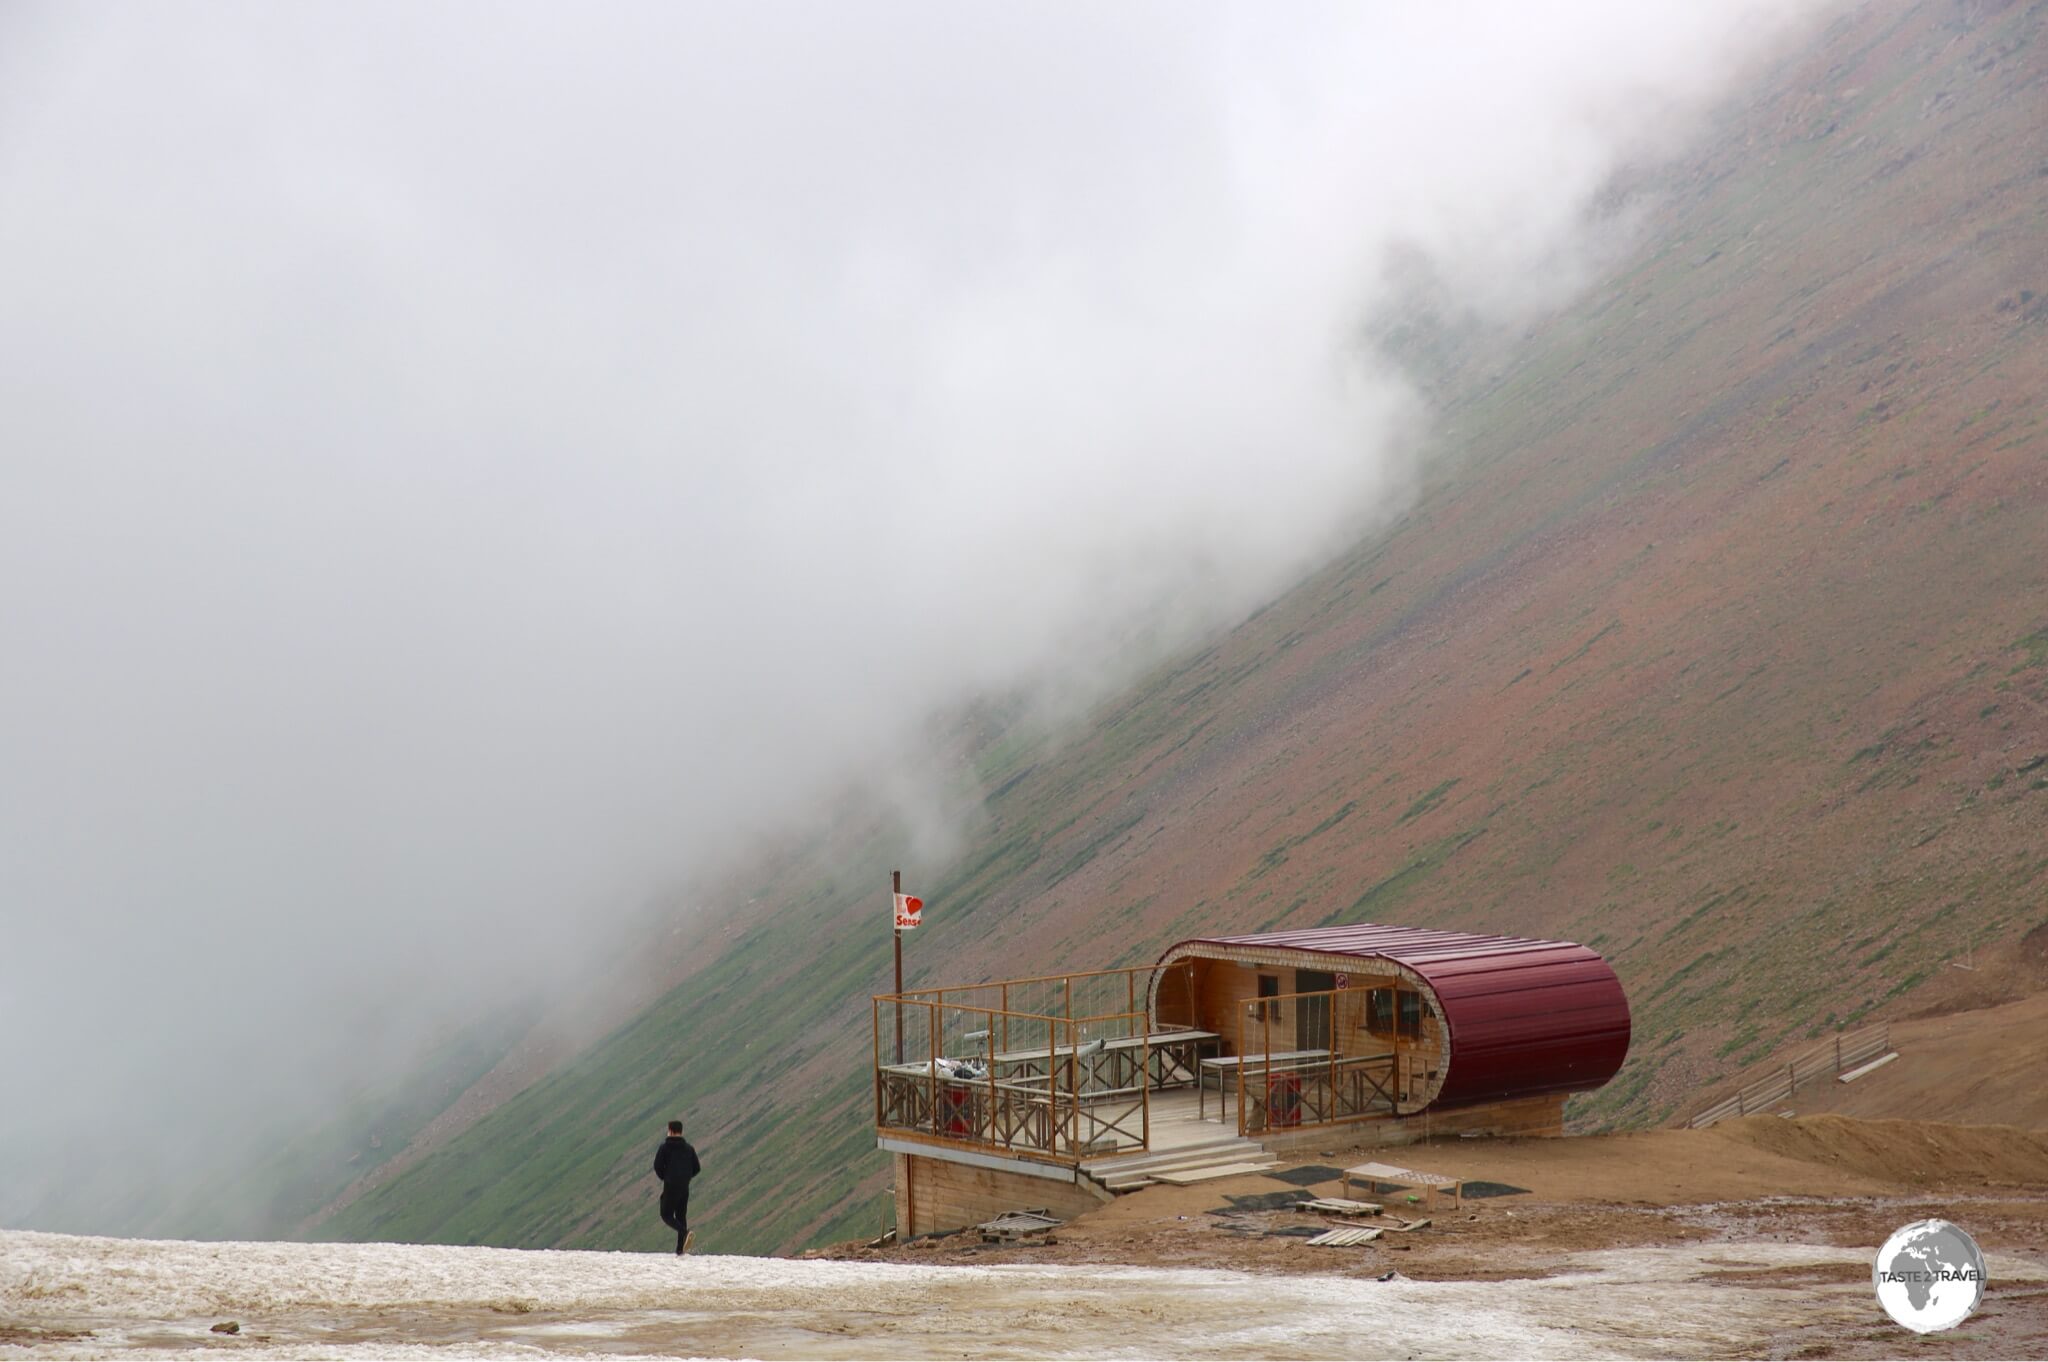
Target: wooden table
1169, 1059
1407, 1177
1175, 1055
1227, 1064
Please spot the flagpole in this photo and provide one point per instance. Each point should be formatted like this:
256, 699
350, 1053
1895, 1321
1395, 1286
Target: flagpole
895, 888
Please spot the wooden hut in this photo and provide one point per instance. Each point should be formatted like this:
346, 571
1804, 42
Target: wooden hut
1060, 1091
1369, 1021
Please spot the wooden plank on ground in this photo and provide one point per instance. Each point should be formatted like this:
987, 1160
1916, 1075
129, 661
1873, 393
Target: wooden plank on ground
1345, 1238
1859, 1071
1228, 1170
1013, 1226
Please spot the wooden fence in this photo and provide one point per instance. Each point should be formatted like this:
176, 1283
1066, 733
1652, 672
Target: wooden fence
1355, 1073
1067, 1081
1844, 1052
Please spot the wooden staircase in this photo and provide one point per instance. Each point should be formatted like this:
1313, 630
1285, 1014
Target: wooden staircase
1224, 1155
1185, 1147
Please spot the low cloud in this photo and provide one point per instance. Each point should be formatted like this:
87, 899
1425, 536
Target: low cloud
466, 464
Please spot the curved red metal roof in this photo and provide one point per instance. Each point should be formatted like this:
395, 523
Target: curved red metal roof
1523, 1017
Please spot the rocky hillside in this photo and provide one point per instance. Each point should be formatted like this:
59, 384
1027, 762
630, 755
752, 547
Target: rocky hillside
1718, 639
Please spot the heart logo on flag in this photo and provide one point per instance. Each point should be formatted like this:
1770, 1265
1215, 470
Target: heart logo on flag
908, 907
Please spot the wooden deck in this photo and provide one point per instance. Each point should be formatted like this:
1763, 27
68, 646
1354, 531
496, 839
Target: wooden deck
1175, 1125
1184, 1147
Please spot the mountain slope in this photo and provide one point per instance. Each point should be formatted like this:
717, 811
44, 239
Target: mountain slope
1718, 639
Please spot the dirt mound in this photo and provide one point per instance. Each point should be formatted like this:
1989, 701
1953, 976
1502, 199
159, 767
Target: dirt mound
1974, 1066
1915, 1153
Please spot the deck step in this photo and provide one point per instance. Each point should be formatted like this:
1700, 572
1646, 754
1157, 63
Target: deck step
1182, 1177
1138, 1182
1195, 1158
1243, 1153
1153, 1157
1208, 1153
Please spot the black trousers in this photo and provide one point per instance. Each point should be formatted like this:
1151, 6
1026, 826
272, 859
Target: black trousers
675, 1211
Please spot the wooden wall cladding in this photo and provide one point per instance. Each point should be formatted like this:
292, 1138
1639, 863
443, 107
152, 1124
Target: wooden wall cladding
938, 1194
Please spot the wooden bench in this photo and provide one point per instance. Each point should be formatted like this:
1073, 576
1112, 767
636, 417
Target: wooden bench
1407, 1177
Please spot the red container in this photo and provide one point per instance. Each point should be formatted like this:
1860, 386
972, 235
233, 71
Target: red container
1283, 1100
956, 1109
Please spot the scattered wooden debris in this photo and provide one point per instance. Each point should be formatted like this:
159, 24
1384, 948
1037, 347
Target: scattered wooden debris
1346, 1238
1337, 1205
886, 1238
1014, 1227
1399, 1226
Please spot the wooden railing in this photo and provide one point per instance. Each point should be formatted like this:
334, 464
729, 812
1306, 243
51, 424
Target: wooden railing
1837, 1056
1019, 1119
1082, 996
1319, 1094
1294, 1088
1064, 1080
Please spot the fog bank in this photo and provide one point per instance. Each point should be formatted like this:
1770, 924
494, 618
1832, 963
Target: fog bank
463, 465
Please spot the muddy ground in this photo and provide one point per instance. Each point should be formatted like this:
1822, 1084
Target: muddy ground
1744, 1185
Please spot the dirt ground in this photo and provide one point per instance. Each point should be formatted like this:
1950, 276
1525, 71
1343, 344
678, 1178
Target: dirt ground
1829, 1180
1982, 1065
1970, 1053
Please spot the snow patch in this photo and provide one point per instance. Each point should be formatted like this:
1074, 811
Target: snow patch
146, 1298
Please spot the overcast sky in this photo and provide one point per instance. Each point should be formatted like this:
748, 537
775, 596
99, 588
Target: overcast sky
460, 464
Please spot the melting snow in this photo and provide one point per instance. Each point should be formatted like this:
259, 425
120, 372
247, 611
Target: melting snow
143, 1298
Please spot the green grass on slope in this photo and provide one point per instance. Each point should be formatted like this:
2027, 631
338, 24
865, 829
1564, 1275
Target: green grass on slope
547, 1168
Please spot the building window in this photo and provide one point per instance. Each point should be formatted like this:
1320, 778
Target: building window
1384, 1016
1269, 987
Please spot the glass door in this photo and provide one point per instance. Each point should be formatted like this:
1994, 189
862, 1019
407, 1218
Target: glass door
1312, 1016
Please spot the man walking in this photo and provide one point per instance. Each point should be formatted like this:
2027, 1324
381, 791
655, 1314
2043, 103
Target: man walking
675, 1163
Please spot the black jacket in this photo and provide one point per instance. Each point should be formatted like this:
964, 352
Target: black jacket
675, 1161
